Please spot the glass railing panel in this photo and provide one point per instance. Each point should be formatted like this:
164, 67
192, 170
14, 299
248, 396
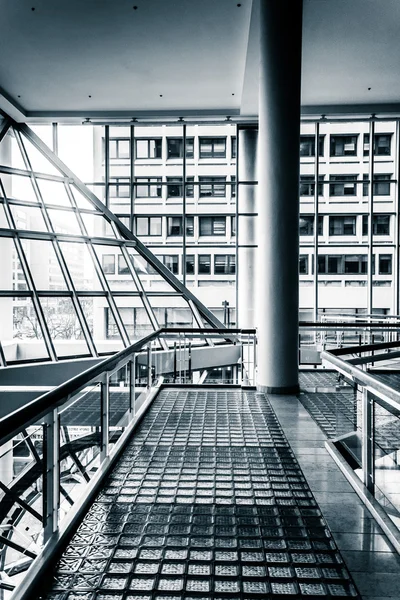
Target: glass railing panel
119, 389
21, 504
80, 444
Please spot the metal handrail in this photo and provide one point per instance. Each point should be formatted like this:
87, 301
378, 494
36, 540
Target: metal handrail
348, 325
24, 416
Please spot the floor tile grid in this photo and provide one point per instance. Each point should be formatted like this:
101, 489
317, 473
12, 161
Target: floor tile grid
207, 501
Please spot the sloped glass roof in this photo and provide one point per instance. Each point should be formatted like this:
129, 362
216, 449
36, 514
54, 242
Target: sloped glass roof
74, 281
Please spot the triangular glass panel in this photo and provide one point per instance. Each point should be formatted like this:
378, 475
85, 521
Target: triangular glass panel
10, 155
151, 280
81, 200
97, 225
39, 162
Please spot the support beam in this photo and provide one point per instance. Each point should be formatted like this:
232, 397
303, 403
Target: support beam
278, 198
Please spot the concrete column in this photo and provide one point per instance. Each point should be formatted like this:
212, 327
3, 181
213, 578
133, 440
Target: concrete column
278, 200
246, 226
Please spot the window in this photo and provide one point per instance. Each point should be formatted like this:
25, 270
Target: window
382, 143
119, 187
307, 225
119, 148
123, 268
148, 148
342, 225
303, 264
307, 185
212, 225
174, 226
381, 225
175, 147
307, 145
385, 264
233, 186
190, 264
233, 226
108, 263
171, 262
212, 147
204, 264
225, 264
381, 185
343, 145
354, 264
345, 186
233, 146
148, 187
175, 187
148, 226
212, 186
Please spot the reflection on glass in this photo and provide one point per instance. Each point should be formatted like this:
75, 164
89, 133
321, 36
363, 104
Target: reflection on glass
101, 324
28, 217
115, 268
134, 317
43, 264
80, 266
97, 225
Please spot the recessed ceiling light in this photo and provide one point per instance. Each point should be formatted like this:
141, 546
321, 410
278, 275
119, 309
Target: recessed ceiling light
238, 5
89, 96
160, 95
233, 94
135, 8
369, 89
18, 96
33, 8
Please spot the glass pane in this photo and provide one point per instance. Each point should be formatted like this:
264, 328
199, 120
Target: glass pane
10, 270
81, 200
64, 327
80, 445
80, 266
3, 219
53, 192
64, 221
20, 188
115, 268
20, 332
119, 393
39, 163
21, 528
150, 278
97, 226
134, 317
172, 311
44, 265
76, 148
101, 324
28, 217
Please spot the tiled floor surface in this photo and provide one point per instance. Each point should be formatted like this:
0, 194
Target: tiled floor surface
208, 501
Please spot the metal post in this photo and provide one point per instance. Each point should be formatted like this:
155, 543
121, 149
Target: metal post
184, 205
367, 440
396, 270
175, 365
55, 137
132, 178
52, 474
316, 213
190, 362
132, 383
107, 165
105, 416
149, 373
370, 215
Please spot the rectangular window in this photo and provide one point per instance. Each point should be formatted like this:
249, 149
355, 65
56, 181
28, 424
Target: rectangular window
381, 185
174, 226
212, 225
307, 145
212, 186
123, 268
224, 264
108, 263
148, 226
148, 148
343, 145
385, 264
148, 187
175, 187
382, 144
204, 264
381, 225
345, 186
356, 264
303, 264
175, 147
119, 187
342, 225
190, 264
233, 186
352, 264
119, 148
233, 146
171, 261
307, 185
233, 226
306, 225
212, 147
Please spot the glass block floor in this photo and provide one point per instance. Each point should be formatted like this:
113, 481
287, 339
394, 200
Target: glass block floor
207, 502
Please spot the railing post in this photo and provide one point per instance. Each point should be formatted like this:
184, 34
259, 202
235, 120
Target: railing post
149, 372
368, 440
52, 474
132, 385
105, 416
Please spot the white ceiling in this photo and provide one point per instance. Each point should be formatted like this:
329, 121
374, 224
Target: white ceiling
185, 57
